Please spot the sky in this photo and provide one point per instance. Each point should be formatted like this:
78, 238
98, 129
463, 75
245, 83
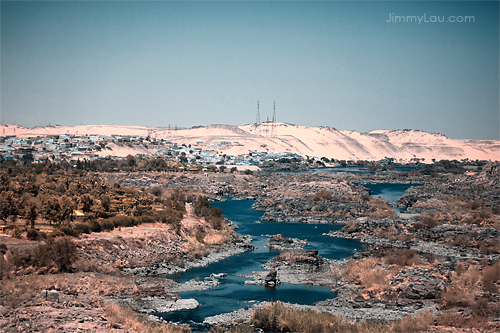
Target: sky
348, 65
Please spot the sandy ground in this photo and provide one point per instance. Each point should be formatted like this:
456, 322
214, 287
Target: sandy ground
313, 141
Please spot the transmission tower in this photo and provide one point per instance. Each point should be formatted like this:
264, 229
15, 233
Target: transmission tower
273, 125
257, 121
267, 127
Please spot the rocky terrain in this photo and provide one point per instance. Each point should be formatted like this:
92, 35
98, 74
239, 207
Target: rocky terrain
455, 216
279, 243
329, 201
130, 261
440, 256
477, 192
84, 302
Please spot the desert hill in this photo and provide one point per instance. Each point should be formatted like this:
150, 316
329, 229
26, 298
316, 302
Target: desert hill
312, 141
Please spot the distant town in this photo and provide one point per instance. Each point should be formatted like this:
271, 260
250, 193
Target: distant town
58, 148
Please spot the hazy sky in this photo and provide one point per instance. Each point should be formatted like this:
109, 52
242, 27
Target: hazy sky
338, 64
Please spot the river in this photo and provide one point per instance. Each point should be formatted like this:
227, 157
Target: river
390, 192
232, 293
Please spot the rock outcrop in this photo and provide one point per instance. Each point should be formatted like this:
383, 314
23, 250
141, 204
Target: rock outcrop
279, 243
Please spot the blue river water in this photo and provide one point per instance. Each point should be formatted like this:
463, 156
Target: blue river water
390, 192
232, 293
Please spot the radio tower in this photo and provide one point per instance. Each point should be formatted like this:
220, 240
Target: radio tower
267, 127
257, 121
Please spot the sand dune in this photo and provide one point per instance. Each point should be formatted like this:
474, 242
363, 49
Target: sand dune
312, 141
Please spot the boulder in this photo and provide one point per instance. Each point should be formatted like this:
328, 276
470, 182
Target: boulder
271, 279
50, 295
53, 296
217, 276
185, 304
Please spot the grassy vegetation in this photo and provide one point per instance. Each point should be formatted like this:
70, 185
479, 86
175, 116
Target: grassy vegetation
129, 319
413, 323
367, 273
322, 195
58, 255
278, 317
472, 285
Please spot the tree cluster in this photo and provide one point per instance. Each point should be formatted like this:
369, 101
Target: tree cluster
202, 208
31, 192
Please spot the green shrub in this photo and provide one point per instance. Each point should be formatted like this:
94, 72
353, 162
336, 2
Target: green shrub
63, 253
233, 329
430, 257
322, 195
147, 219
200, 235
490, 275
473, 205
171, 216
414, 323
215, 218
94, 226
124, 221
106, 225
60, 253
56, 233
83, 228
427, 221
41, 256
16, 233
402, 257
34, 234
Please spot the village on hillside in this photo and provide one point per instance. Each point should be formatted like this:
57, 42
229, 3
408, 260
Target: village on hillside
243, 147
58, 148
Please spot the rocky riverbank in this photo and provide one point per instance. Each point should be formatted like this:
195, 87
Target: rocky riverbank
84, 302
132, 263
184, 262
477, 192
441, 257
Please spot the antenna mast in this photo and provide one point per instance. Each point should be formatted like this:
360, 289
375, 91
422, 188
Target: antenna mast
257, 121
268, 131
